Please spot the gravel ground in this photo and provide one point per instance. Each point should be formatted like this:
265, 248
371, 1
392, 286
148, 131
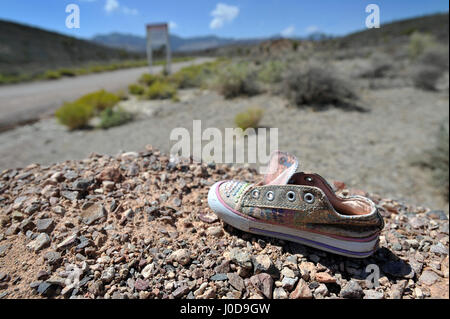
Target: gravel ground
138, 226
371, 150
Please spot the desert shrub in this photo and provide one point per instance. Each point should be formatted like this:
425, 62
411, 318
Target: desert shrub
194, 75
114, 117
381, 64
425, 77
99, 100
237, 79
271, 71
51, 75
74, 115
418, 43
249, 118
67, 72
436, 56
160, 90
148, 79
136, 89
317, 85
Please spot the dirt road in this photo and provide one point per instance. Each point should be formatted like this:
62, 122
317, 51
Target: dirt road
22, 103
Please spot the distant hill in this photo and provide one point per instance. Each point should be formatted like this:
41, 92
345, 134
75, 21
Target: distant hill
177, 44
30, 49
435, 24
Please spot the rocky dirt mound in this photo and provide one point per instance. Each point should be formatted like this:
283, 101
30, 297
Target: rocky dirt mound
138, 226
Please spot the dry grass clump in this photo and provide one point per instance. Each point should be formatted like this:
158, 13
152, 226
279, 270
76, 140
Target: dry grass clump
250, 118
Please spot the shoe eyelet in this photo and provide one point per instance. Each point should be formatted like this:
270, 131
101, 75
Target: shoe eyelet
308, 198
255, 194
290, 196
270, 196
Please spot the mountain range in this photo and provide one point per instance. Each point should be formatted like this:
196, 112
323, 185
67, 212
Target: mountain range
136, 43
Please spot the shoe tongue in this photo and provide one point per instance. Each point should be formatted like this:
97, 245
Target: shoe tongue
281, 167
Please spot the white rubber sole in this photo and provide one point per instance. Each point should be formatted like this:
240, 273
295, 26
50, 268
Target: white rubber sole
346, 247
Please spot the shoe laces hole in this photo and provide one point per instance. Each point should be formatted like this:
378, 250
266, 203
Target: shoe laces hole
308, 198
270, 196
290, 196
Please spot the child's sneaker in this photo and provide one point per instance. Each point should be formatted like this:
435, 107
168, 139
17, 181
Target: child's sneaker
299, 207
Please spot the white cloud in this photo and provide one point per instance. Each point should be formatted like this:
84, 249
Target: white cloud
111, 5
223, 13
129, 11
312, 29
173, 25
289, 31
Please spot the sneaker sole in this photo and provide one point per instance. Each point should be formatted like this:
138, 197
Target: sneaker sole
345, 246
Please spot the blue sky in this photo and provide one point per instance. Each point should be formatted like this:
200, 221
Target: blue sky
227, 18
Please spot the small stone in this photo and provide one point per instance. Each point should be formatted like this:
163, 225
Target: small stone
287, 272
52, 257
110, 174
302, 291
352, 290
148, 270
70, 195
224, 267
215, 231
219, 277
264, 283
181, 291
208, 218
236, 281
44, 225
288, 283
92, 214
437, 214
280, 293
182, 256
417, 222
108, 275
41, 241
241, 258
263, 263
325, 278
428, 277
69, 241
373, 294
321, 291
439, 249
141, 284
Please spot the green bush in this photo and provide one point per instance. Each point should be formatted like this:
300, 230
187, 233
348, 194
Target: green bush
271, 71
136, 89
236, 80
160, 90
74, 115
418, 43
111, 117
148, 79
249, 118
67, 72
99, 100
52, 75
194, 75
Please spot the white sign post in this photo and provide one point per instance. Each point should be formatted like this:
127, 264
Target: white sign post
158, 36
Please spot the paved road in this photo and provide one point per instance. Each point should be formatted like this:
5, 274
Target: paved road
27, 102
